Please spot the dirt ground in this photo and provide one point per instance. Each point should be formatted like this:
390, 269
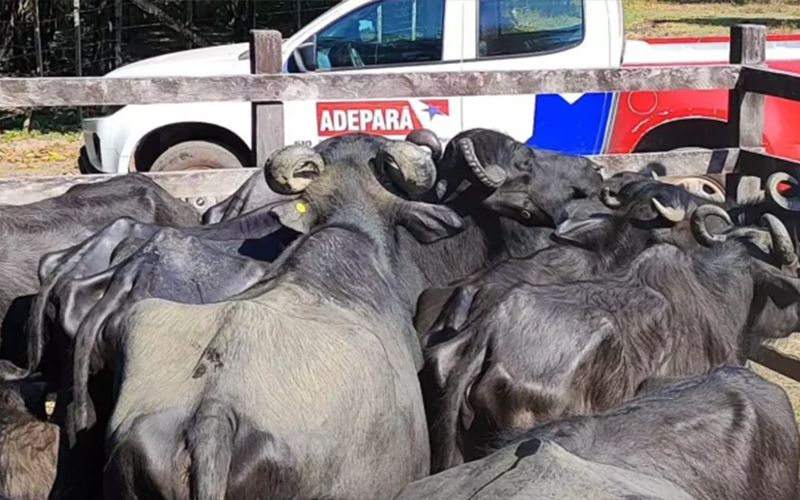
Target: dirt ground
789, 346
46, 154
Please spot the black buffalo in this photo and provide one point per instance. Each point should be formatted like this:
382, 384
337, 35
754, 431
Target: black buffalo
593, 241
588, 344
505, 182
30, 231
79, 279
255, 193
725, 435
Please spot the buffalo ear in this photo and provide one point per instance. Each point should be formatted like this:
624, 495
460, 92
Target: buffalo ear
429, 223
297, 215
582, 231
783, 289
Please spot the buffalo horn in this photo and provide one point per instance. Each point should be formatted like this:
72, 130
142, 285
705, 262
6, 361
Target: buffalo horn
698, 224
699, 186
608, 199
491, 176
782, 246
789, 203
672, 214
410, 167
427, 139
290, 170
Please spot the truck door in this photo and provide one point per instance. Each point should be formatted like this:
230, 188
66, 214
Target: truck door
540, 34
383, 36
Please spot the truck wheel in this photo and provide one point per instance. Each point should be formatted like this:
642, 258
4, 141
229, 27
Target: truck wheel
195, 155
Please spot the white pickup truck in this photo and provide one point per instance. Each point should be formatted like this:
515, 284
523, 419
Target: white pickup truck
443, 35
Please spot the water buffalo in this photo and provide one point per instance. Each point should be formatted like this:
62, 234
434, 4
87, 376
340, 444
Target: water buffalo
588, 344
28, 446
255, 193
80, 277
244, 403
665, 444
130, 260
640, 214
30, 231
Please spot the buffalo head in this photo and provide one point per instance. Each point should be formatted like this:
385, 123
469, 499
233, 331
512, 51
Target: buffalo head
512, 180
643, 212
388, 173
773, 265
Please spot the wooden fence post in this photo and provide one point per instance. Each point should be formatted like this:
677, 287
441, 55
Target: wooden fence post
746, 109
267, 117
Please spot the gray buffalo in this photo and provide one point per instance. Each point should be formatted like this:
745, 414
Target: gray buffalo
724, 435
588, 344
282, 392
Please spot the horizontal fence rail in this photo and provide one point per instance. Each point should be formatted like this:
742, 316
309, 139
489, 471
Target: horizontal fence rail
220, 183
206, 184
770, 82
25, 92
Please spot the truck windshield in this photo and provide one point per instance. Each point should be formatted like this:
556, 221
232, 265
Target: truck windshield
512, 27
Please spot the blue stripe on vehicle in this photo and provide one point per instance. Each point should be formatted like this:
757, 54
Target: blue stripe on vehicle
577, 128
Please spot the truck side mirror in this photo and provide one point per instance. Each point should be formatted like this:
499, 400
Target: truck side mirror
304, 56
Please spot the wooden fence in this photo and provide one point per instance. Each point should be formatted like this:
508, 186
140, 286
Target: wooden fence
746, 78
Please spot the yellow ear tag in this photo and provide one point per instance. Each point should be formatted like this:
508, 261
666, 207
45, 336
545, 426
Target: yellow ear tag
301, 207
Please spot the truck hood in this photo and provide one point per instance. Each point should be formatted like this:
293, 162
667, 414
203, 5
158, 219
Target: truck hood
209, 61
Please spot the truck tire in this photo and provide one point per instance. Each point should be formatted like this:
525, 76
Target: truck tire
195, 155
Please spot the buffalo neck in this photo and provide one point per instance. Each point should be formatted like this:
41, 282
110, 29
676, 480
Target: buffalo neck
486, 240
623, 244
709, 291
346, 260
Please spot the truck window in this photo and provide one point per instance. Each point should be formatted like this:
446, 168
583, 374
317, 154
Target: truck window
387, 32
514, 27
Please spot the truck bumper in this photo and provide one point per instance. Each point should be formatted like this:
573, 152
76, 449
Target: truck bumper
102, 151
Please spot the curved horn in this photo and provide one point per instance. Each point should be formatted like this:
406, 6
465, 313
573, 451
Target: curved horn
782, 246
290, 170
428, 139
672, 214
698, 224
491, 176
792, 203
698, 186
410, 167
608, 199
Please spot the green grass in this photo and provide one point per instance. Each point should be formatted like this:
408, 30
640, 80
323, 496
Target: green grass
658, 18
